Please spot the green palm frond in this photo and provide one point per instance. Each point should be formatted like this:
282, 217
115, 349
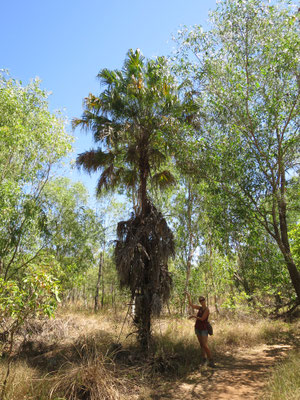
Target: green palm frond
90, 120
134, 63
110, 178
93, 160
107, 77
132, 154
79, 122
156, 157
163, 179
92, 102
131, 177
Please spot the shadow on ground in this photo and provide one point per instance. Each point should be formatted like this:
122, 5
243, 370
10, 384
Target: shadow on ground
236, 376
53, 357
170, 373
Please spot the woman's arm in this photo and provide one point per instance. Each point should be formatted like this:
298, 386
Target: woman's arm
194, 306
204, 316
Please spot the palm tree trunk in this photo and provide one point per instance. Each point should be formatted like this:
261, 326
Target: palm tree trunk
144, 168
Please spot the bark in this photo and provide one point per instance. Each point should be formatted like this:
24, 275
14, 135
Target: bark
143, 319
294, 274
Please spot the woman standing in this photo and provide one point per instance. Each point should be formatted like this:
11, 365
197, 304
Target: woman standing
201, 328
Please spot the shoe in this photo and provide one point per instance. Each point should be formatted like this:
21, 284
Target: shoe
203, 361
211, 364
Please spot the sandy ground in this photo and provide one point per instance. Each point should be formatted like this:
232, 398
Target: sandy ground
236, 377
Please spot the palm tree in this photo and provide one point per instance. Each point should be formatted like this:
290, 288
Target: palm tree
131, 121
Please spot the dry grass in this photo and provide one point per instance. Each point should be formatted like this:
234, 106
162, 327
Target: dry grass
284, 383
227, 333
248, 334
20, 380
75, 356
90, 380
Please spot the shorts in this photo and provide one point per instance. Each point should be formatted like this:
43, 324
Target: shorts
201, 332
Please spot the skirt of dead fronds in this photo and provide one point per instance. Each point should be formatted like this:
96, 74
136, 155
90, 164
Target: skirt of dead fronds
88, 381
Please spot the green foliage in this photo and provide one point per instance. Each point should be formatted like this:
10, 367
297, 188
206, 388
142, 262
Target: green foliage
295, 243
130, 119
75, 230
246, 83
36, 295
32, 140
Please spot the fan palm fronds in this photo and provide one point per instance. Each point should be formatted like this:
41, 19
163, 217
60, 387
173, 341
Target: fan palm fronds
92, 160
163, 179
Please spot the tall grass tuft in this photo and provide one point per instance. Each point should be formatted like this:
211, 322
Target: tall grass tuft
284, 383
89, 381
248, 334
20, 380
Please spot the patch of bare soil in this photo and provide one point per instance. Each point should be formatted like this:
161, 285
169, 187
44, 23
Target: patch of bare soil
238, 376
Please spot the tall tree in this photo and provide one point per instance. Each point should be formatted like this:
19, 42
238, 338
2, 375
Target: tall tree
131, 120
247, 72
187, 213
32, 140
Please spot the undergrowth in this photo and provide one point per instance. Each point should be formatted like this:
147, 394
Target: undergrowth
284, 382
78, 357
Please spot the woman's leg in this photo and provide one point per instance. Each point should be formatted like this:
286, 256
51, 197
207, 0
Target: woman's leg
204, 346
203, 352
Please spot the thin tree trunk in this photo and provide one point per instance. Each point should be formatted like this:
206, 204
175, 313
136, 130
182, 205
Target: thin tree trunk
212, 276
96, 306
281, 235
84, 296
103, 290
10, 359
293, 271
190, 247
168, 307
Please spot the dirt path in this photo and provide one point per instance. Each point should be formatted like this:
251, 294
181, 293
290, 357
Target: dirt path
236, 377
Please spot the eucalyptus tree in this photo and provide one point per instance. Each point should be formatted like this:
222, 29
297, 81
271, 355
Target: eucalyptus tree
32, 141
246, 72
131, 120
187, 219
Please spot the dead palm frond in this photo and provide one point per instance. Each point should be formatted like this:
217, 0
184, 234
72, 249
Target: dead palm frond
144, 245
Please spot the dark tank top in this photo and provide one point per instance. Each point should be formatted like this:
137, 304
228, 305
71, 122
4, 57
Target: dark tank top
201, 325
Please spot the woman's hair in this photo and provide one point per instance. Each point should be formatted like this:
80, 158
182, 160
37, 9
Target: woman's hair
201, 298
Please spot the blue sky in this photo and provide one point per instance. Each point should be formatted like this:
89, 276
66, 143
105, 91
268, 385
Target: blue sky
65, 43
